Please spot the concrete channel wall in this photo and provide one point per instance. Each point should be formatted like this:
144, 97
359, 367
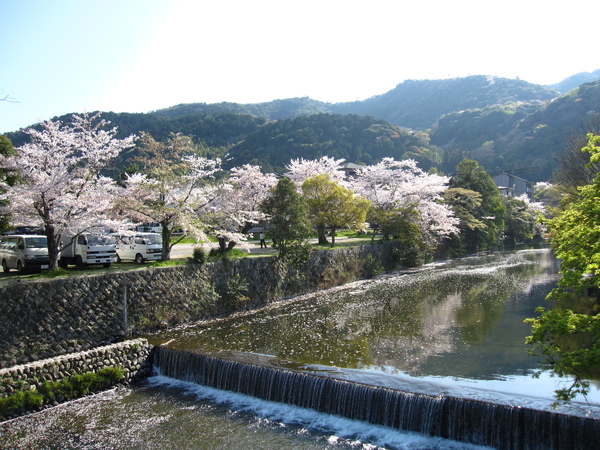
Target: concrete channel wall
45, 318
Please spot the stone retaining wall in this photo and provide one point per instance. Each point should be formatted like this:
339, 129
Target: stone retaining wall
45, 318
132, 356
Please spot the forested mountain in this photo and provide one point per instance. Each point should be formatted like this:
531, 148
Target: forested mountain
274, 110
417, 104
576, 80
414, 104
357, 139
503, 124
218, 130
517, 137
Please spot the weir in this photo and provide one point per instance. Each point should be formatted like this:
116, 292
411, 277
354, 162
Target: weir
464, 420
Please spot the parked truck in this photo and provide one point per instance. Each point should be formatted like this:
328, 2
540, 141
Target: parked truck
87, 249
140, 247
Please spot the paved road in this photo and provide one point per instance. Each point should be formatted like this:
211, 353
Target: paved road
187, 250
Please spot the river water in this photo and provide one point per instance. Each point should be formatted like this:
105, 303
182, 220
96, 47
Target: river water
451, 327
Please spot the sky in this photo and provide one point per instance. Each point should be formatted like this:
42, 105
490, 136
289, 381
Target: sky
73, 56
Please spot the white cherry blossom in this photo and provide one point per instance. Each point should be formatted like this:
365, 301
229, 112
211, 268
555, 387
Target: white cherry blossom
61, 189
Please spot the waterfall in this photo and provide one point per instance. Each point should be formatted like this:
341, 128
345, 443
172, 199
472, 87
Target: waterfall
464, 420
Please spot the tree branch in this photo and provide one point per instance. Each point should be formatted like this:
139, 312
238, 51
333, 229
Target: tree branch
8, 99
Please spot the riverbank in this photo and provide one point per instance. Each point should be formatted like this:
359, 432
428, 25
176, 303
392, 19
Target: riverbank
449, 319
29, 387
45, 318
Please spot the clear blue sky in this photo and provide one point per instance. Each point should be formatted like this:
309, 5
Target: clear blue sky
64, 56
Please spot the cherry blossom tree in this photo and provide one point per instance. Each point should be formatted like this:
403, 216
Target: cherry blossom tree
6, 177
523, 219
175, 190
61, 188
235, 208
402, 193
300, 170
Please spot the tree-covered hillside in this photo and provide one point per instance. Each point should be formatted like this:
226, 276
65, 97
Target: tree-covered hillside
469, 129
540, 136
417, 104
274, 110
218, 130
357, 139
414, 104
503, 124
523, 137
575, 81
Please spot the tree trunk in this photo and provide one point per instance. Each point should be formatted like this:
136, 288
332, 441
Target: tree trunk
375, 230
321, 233
247, 227
166, 243
52, 247
333, 236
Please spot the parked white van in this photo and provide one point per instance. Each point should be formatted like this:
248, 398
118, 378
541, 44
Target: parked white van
153, 227
140, 247
25, 253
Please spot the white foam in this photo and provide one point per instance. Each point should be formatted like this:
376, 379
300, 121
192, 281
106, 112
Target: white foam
351, 433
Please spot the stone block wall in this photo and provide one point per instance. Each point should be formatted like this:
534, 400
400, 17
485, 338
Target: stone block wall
46, 318
132, 356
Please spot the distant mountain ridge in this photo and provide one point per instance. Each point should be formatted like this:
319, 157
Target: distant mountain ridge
575, 81
414, 104
518, 137
273, 110
504, 124
417, 104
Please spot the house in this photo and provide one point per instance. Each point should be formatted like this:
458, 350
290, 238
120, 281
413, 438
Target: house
513, 186
351, 168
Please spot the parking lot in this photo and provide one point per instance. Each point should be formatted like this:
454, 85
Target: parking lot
179, 251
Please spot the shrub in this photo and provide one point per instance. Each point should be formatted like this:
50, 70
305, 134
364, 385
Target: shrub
199, 256
372, 267
82, 383
234, 293
111, 375
66, 389
333, 276
20, 401
228, 255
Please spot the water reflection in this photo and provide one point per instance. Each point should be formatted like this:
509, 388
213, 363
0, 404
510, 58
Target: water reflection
461, 318
440, 329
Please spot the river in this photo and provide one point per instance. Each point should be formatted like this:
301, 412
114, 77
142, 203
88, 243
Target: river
447, 328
